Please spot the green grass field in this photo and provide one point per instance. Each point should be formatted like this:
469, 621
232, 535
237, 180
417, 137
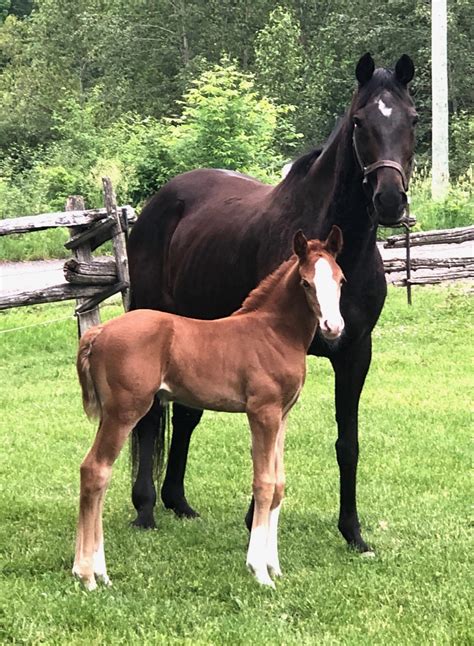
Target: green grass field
186, 583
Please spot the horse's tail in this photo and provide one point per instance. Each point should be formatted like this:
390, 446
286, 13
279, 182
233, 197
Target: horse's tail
90, 395
160, 441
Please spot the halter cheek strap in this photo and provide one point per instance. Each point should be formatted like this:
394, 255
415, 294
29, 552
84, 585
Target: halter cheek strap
383, 163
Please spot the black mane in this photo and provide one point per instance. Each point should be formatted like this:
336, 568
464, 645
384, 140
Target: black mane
301, 165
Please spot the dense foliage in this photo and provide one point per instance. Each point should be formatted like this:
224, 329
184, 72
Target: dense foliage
145, 90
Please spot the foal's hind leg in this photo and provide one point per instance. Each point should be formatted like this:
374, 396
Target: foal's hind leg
95, 474
264, 425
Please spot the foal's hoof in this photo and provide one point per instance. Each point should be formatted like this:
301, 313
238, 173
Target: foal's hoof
88, 582
104, 579
274, 571
262, 576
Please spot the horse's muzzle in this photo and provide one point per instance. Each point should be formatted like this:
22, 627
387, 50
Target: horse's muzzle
390, 206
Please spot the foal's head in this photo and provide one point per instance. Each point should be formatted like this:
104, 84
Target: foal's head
321, 278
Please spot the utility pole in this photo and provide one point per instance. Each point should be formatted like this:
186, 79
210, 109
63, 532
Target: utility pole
439, 94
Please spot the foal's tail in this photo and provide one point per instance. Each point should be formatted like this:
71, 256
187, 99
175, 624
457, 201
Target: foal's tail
90, 396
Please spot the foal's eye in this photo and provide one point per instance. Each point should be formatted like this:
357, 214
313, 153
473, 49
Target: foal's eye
357, 121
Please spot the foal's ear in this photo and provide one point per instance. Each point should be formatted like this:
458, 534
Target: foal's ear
334, 241
365, 68
404, 69
300, 245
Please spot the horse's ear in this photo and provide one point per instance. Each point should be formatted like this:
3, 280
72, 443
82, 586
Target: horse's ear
334, 241
404, 69
300, 245
365, 68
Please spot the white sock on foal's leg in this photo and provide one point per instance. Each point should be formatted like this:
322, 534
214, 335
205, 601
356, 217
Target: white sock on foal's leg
273, 561
257, 555
100, 568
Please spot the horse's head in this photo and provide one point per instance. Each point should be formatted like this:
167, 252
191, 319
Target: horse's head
321, 278
383, 119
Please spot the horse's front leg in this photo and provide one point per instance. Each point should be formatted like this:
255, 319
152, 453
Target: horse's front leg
350, 367
185, 421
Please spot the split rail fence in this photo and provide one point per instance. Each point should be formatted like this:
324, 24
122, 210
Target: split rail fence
89, 280
432, 270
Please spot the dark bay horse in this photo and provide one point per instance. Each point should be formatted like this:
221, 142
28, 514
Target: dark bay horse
252, 362
207, 237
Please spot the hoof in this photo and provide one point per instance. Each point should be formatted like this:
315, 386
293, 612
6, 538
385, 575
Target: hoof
144, 520
262, 576
88, 582
369, 554
104, 579
180, 507
274, 571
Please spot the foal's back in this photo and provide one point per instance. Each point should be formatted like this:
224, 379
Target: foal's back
218, 365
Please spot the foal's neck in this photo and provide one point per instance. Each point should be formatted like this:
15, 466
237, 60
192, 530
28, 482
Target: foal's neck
282, 300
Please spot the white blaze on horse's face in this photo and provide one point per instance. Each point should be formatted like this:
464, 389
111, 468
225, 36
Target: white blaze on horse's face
384, 109
328, 293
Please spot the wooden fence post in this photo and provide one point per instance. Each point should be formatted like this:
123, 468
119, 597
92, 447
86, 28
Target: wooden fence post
118, 240
82, 253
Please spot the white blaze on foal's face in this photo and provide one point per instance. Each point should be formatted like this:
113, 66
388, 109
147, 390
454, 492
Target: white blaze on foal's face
328, 292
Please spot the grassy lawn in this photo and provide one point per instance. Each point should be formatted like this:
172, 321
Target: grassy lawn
186, 583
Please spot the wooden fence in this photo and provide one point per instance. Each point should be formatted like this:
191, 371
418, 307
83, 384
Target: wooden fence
433, 269
89, 281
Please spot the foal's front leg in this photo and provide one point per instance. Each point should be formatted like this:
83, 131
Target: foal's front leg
264, 426
273, 560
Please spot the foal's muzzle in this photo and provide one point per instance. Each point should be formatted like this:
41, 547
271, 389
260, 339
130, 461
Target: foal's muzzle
331, 329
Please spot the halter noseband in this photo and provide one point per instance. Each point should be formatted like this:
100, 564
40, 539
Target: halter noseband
383, 163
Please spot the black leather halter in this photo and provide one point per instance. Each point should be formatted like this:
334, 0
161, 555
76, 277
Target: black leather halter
382, 163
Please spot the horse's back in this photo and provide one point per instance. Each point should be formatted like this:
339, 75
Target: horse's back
200, 233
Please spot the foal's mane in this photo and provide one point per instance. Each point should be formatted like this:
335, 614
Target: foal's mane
256, 297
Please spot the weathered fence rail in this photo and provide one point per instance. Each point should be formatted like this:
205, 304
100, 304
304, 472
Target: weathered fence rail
89, 280
438, 267
440, 236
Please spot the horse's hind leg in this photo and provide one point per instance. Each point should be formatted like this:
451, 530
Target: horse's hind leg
143, 491
95, 474
185, 421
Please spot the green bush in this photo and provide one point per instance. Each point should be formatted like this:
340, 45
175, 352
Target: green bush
456, 210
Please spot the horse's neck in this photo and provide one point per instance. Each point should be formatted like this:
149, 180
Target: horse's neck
335, 195
289, 313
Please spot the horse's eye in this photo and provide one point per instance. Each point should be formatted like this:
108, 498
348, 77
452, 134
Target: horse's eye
415, 120
357, 121
305, 283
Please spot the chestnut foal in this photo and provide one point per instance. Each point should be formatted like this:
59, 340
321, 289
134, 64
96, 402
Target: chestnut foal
252, 362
